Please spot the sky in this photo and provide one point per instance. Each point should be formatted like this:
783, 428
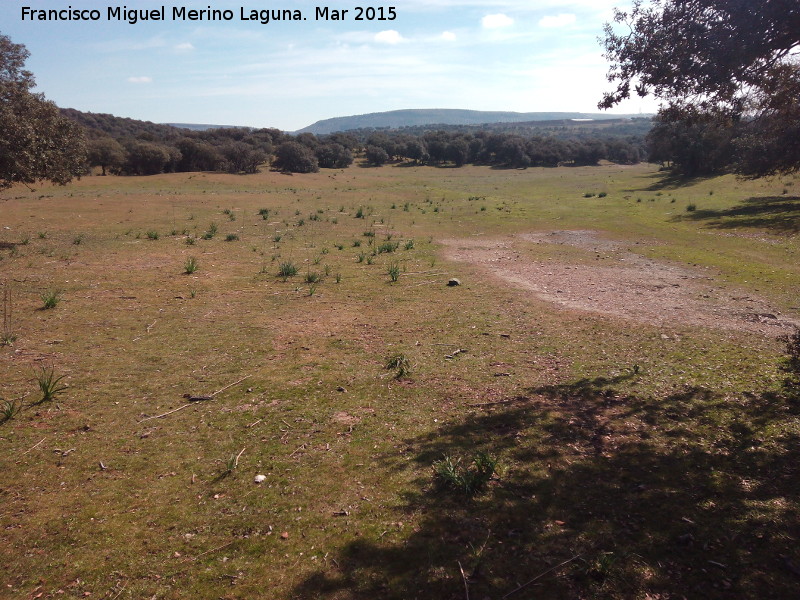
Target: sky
504, 55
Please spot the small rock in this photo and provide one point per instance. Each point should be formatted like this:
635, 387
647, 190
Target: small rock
259, 479
454, 282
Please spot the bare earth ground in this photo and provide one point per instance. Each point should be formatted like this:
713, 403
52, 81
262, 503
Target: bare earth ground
613, 280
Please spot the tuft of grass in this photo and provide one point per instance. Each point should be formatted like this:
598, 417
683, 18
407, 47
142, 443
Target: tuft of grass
400, 364
231, 237
49, 385
691, 207
393, 271
190, 266
287, 269
471, 480
264, 213
78, 239
51, 298
211, 232
9, 409
388, 247
360, 212
152, 235
313, 277
409, 245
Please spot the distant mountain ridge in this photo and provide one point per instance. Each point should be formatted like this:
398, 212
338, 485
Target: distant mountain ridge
205, 126
396, 119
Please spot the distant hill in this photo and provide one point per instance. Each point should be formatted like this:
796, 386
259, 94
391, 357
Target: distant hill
435, 116
204, 127
100, 124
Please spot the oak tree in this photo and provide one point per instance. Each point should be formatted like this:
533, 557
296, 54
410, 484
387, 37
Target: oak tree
36, 142
733, 62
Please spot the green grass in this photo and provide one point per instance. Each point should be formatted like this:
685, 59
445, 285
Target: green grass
190, 266
50, 299
644, 474
287, 269
49, 385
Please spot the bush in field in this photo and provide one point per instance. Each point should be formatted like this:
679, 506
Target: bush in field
293, 157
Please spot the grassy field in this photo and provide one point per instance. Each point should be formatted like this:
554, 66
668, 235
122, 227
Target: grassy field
635, 458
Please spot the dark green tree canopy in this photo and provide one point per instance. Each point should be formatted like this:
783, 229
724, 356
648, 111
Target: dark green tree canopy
733, 61
36, 142
294, 157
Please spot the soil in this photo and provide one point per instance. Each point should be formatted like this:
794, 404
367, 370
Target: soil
611, 279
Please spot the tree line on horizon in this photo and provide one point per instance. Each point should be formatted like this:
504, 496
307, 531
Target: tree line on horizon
727, 73
130, 147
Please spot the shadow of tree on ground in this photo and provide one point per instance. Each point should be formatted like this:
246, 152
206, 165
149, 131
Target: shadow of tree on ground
692, 495
669, 180
779, 213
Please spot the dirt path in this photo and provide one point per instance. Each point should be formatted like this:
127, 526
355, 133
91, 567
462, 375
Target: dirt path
620, 283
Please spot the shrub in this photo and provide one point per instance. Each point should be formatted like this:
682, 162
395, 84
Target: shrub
152, 235
691, 207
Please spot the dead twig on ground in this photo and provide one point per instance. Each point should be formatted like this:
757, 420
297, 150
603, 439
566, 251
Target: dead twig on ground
540, 575
464, 577
230, 385
195, 399
32, 447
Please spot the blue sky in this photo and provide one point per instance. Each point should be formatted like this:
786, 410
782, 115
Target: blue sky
518, 55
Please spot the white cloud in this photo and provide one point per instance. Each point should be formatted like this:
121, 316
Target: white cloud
496, 21
448, 36
185, 47
561, 20
390, 36
140, 79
